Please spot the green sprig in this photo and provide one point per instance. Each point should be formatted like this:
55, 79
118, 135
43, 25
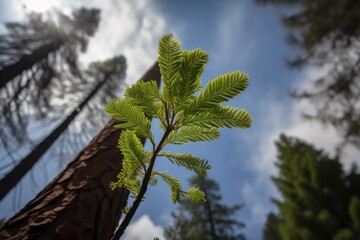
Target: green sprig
187, 113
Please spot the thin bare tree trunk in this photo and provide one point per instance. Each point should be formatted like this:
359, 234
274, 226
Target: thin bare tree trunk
18, 172
27, 61
78, 203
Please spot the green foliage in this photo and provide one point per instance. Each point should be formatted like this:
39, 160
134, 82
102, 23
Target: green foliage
146, 96
176, 191
319, 200
192, 134
271, 230
185, 116
188, 161
196, 195
189, 73
206, 221
219, 117
131, 116
219, 90
354, 211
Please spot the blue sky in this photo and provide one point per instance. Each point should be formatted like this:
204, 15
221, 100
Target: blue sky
237, 35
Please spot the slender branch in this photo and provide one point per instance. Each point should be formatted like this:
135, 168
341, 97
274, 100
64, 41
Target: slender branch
124, 224
166, 115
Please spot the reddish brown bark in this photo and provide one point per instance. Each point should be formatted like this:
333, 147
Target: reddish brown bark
78, 203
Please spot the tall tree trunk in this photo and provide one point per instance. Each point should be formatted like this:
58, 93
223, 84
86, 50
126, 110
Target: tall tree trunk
17, 173
78, 203
27, 61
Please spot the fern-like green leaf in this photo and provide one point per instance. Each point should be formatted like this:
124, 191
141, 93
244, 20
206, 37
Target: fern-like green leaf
145, 95
135, 158
121, 178
114, 185
192, 66
192, 134
169, 60
220, 117
176, 192
128, 173
131, 115
133, 185
196, 195
189, 161
131, 147
219, 90
153, 180
126, 210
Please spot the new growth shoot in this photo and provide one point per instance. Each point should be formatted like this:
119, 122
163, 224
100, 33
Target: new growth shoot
187, 113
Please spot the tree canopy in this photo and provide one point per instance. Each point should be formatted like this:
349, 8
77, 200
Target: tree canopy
319, 199
38, 59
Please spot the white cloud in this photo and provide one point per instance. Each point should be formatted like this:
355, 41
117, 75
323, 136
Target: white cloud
128, 27
143, 229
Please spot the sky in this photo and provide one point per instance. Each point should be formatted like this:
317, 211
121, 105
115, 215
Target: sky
237, 35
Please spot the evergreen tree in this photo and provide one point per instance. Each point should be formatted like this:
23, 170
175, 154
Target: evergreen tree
210, 220
271, 231
41, 84
327, 34
319, 200
110, 72
34, 57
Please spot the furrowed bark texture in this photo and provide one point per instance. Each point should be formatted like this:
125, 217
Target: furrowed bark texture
78, 203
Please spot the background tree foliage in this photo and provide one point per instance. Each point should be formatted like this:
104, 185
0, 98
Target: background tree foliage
38, 62
46, 95
210, 220
327, 34
107, 74
319, 200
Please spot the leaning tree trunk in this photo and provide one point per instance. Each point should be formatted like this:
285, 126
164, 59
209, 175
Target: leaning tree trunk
17, 173
27, 61
78, 203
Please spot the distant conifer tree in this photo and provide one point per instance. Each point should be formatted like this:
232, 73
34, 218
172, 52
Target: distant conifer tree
36, 58
319, 200
108, 74
208, 221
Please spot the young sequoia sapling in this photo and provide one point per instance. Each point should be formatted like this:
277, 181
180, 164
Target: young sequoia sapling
187, 113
